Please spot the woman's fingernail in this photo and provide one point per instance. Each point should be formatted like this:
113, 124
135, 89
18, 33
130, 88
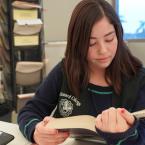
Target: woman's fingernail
122, 110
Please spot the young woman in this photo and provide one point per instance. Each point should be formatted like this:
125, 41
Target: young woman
98, 76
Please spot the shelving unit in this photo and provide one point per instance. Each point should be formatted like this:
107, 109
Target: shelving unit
24, 50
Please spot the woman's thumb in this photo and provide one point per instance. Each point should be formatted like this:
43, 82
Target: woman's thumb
47, 119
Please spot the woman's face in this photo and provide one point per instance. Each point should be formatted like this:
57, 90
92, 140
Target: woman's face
103, 45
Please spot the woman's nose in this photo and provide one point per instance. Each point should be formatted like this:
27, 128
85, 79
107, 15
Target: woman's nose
103, 48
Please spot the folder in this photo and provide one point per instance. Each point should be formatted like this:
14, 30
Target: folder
28, 73
27, 27
29, 40
25, 10
25, 5
25, 13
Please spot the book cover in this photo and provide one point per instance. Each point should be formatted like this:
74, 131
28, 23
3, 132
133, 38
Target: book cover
81, 125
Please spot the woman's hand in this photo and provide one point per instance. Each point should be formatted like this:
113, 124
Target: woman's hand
45, 136
114, 120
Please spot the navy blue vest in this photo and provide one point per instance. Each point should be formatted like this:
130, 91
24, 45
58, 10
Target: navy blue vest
69, 105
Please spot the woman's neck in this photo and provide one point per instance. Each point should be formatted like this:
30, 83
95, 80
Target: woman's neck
97, 77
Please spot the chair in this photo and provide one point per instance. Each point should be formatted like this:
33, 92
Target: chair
22, 100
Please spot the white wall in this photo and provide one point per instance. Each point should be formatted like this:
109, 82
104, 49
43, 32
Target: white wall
54, 53
56, 18
138, 49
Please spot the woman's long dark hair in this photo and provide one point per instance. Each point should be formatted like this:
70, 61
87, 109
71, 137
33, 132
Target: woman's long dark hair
84, 16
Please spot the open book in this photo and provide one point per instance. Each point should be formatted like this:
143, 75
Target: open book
82, 126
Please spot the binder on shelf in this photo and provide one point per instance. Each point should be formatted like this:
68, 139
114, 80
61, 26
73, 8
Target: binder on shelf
27, 27
29, 40
25, 14
28, 73
25, 10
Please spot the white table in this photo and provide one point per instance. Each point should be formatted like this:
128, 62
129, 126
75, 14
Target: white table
20, 140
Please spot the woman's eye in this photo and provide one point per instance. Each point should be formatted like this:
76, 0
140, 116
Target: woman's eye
92, 44
109, 40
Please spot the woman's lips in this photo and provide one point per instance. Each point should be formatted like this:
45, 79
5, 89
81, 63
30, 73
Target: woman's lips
104, 59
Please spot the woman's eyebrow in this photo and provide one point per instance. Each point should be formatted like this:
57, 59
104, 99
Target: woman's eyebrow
109, 33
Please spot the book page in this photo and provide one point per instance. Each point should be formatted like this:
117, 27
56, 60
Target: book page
139, 114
